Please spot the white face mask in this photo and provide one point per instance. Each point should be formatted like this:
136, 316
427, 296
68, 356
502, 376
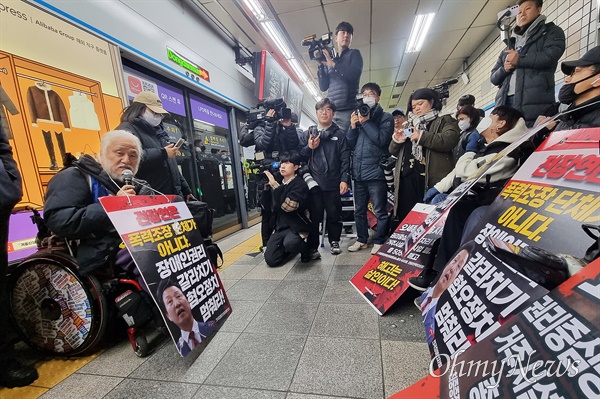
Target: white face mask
464, 124
153, 119
370, 101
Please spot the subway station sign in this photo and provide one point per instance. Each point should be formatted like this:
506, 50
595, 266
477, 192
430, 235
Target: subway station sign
196, 71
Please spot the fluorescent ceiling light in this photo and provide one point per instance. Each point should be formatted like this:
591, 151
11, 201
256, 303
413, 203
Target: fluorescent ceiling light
312, 88
419, 31
298, 69
256, 9
275, 35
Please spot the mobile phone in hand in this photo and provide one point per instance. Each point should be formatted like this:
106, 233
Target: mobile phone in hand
179, 143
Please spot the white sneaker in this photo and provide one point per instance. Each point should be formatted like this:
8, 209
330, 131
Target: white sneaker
357, 246
375, 248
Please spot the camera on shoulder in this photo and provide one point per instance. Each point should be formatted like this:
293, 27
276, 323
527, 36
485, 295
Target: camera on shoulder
260, 112
317, 45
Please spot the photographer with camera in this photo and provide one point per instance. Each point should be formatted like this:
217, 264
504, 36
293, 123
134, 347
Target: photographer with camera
339, 74
274, 137
369, 136
329, 164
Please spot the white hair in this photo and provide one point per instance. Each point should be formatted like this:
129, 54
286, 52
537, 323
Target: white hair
111, 136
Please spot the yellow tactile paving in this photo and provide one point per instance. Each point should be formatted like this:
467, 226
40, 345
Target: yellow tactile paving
52, 370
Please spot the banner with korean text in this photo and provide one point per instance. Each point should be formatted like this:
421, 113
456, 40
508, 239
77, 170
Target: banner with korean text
168, 250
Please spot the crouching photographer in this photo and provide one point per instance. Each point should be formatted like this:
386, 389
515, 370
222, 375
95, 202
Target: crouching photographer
274, 136
329, 165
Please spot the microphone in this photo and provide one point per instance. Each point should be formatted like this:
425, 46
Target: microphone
127, 176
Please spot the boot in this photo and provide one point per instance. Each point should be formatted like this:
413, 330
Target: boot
61, 146
50, 147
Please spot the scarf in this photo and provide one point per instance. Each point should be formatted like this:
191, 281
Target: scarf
420, 123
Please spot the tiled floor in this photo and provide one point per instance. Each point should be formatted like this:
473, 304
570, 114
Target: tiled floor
300, 331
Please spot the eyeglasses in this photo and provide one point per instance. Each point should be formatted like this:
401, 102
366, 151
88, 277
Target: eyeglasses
325, 110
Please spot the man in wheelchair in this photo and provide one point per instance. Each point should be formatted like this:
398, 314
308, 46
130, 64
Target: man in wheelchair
72, 210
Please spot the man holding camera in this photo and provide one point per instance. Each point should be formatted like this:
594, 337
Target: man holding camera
329, 164
339, 74
369, 136
273, 138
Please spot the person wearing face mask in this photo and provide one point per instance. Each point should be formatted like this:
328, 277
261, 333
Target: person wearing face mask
424, 150
525, 73
468, 118
369, 137
143, 118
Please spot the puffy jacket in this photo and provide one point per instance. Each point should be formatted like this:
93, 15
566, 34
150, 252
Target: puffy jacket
160, 171
10, 178
341, 82
538, 59
370, 143
581, 116
273, 136
470, 162
329, 163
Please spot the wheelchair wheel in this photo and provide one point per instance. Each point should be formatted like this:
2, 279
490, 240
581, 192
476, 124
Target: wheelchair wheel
54, 309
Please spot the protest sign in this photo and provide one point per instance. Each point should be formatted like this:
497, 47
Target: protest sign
168, 250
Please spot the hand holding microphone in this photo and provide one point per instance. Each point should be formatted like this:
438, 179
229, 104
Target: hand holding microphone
128, 187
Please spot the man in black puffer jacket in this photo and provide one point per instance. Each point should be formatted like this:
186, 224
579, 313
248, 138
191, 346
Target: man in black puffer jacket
369, 137
340, 76
525, 74
328, 158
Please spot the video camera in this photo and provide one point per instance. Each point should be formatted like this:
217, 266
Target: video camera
443, 89
266, 164
505, 19
362, 108
316, 46
260, 112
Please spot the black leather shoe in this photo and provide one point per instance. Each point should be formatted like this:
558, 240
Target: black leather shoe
17, 375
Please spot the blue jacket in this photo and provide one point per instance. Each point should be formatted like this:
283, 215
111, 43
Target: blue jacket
370, 143
341, 82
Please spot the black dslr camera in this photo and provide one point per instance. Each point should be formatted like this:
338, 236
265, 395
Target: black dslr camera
260, 112
316, 46
362, 108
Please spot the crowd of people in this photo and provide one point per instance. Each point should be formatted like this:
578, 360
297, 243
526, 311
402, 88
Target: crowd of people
305, 173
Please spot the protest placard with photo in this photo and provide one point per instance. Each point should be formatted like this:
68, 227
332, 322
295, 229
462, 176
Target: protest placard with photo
168, 250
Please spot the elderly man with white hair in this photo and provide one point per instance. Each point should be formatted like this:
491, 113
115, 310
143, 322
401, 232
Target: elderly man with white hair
71, 208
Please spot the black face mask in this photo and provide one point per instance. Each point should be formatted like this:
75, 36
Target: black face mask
567, 95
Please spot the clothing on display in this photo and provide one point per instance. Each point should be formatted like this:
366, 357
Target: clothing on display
82, 112
46, 105
50, 147
10, 107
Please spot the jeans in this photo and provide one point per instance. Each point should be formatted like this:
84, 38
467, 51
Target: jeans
377, 190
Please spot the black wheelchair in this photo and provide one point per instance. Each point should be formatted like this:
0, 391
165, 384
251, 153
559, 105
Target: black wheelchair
59, 311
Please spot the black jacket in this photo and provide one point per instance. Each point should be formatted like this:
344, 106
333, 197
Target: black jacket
70, 211
534, 91
10, 178
370, 144
581, 116
329, 163
160, 171
341, 82
273, 136
297, 220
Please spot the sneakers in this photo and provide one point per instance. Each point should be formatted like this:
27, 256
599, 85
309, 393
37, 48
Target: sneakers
17, 375
375, 248
423, 280
315, 254
335, 248
357, 246
417, 303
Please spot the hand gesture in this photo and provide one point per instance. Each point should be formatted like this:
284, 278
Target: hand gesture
354, 120
363, 119
328, 60
343, 188
171, 150
127, 189
271, 113
399, 135
313, 142
272, 181
415, 136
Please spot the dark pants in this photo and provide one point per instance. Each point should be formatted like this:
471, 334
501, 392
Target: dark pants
329, 201
453, 230
283, 245
266, 211
6, 333
377, 191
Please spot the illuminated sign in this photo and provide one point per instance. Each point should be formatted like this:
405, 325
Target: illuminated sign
190, 66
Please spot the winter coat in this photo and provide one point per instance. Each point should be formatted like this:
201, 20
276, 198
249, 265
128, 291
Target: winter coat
341, 82
273, 136
329, 163
370, 143
46, 105
438, 143
160, 171
11, 190
471, 161
461, 147
296, 190
581, 116
534, 91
